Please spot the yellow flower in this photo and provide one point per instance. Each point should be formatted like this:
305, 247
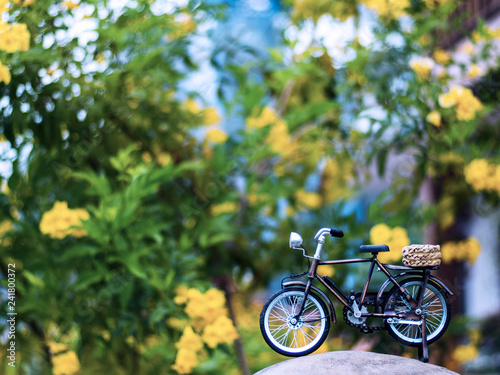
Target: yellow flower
434, 118
307, 199
15, 37
100, 58
70, 5
380, 234
278, 138
451, 98
205, 306
468, 250
467, 48
181, 295
216, 136
327, 271
474, 71
465, 353
210, 116
183, 27
422, 66
185, 361
65, 363
441, 56
387, 7
473, 248
190, 340
56, 348
192, 106
266, 117
60, 220
467, 105
477, 173
220, 332
163, 159
323, 348
4, 6
223, 208
5, 227
254, 198
395, 239
24, 3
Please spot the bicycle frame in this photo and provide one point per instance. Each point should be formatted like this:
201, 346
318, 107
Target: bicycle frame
415, 313
344, 299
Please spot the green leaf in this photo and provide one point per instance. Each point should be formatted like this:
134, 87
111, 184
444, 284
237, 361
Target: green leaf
382, 161
158, 314
33, 280
99, 185
87, 279
79, 251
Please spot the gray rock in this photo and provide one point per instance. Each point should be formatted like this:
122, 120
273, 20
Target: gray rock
353, 363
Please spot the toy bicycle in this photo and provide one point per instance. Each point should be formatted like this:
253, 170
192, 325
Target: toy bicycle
415, 311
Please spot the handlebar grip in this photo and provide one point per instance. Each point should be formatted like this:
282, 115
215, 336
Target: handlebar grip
336, 233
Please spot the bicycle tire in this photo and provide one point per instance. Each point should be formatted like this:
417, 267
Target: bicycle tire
438, 312
308, 334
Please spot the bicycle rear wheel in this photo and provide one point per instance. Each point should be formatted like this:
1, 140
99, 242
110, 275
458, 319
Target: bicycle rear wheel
288, 334
435, 305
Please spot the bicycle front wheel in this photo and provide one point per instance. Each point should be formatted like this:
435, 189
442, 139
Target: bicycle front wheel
435, 305
288, 334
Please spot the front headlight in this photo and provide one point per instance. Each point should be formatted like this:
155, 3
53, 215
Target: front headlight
295, 240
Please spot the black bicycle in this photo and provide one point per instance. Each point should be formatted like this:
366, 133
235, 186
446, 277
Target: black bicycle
416, 310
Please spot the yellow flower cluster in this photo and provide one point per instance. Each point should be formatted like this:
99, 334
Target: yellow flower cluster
60, 220
5, 227
65, 363
223, 208
464, 353
395, 238
266, 117
422, 66
441, 56
482, 175
387, 7
278, 137
183, 27
474, 71
468, 249
308, 200
14, 37
466, 104
208, 317
221, 331
4, 74
209, 115
23, 3
70, 5
216, 136
434, 117
189, 345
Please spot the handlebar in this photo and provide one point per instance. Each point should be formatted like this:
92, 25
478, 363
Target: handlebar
336, 233
331, 231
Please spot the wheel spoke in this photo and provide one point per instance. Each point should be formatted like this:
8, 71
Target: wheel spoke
302, 337
434, 306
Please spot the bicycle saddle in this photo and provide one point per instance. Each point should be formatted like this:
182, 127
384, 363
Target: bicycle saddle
373, 248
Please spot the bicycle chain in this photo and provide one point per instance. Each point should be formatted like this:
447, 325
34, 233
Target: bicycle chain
362, 327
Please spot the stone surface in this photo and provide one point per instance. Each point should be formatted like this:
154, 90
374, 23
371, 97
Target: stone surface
353, 363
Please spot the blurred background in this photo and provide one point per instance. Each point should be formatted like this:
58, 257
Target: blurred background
155, 155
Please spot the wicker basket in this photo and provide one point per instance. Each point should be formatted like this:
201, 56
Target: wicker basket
422, 255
